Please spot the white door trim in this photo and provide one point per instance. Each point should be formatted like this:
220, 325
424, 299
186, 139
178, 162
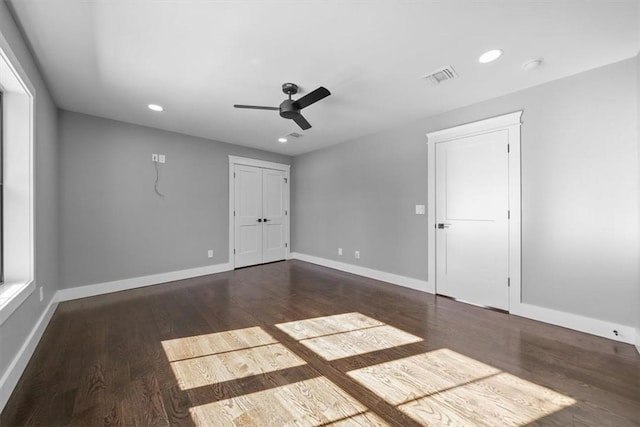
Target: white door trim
235, 160
510, 122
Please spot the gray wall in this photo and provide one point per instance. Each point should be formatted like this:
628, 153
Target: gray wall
579, 194
114, 226
15, 330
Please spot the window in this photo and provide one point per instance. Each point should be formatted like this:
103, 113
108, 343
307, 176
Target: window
16, 184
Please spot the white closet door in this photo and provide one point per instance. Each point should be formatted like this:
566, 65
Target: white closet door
248, 215
472, 236
274, 215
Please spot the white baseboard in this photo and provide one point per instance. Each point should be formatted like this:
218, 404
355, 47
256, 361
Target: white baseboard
407, 282
576, 322
601, 328
17, 366
138, 282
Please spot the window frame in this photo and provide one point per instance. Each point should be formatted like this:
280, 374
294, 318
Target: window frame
18, 181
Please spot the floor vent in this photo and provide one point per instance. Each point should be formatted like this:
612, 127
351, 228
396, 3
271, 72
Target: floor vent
441, 75
295, 135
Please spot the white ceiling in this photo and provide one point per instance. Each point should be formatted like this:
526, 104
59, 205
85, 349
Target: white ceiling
197, 58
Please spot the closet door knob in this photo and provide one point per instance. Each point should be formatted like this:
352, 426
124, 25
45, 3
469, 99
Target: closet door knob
265, 220
259, 219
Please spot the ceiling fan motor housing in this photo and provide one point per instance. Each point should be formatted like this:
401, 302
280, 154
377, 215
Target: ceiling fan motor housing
290, 88
288, 110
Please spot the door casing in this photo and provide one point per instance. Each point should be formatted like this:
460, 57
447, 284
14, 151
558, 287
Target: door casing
235, 160
511, 123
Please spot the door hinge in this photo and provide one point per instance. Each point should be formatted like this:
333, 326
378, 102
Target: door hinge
508, 148
286, 245
509, 214
285, 180
285, 212
234, 251
508, 282
234, 213
234, 174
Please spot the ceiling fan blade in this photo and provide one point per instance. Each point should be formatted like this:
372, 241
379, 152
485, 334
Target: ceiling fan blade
256, 107
302, 122
312, 97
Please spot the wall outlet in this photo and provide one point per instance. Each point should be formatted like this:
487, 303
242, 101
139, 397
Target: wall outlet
161, 158
210, 253
154, 157
420, 209
340, 251
41, 294
357, 254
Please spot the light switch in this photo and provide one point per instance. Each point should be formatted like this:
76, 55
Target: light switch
161, 158
420, 210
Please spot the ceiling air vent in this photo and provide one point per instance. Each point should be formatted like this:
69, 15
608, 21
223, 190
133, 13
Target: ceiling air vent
295, 135
441, 75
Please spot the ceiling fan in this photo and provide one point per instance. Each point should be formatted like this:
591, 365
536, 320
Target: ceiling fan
290, 109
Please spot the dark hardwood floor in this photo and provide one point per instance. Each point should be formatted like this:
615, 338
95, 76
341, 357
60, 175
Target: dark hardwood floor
292, 343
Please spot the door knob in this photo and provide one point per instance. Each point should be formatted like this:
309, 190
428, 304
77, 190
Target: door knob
259, 219
266, 220
443, 226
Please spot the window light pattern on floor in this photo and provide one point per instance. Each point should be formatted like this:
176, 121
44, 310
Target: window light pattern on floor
226, 356
246, 377
220, 342
233, 365
327, 325
313, 402
346, 335
445, 385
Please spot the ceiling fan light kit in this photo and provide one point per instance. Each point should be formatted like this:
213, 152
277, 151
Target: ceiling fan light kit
290, 109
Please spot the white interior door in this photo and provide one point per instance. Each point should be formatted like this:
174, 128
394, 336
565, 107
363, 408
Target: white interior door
248, 215
260, 213
273, 213
472, 235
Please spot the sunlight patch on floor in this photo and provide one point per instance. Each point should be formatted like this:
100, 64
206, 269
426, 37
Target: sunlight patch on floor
345, 335
327, 325
347, 344
233, 365
405, 379
219, 342
313, 402
443, 386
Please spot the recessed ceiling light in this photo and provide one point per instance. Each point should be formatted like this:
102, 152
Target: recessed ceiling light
490, 56
283, 140
155, 107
